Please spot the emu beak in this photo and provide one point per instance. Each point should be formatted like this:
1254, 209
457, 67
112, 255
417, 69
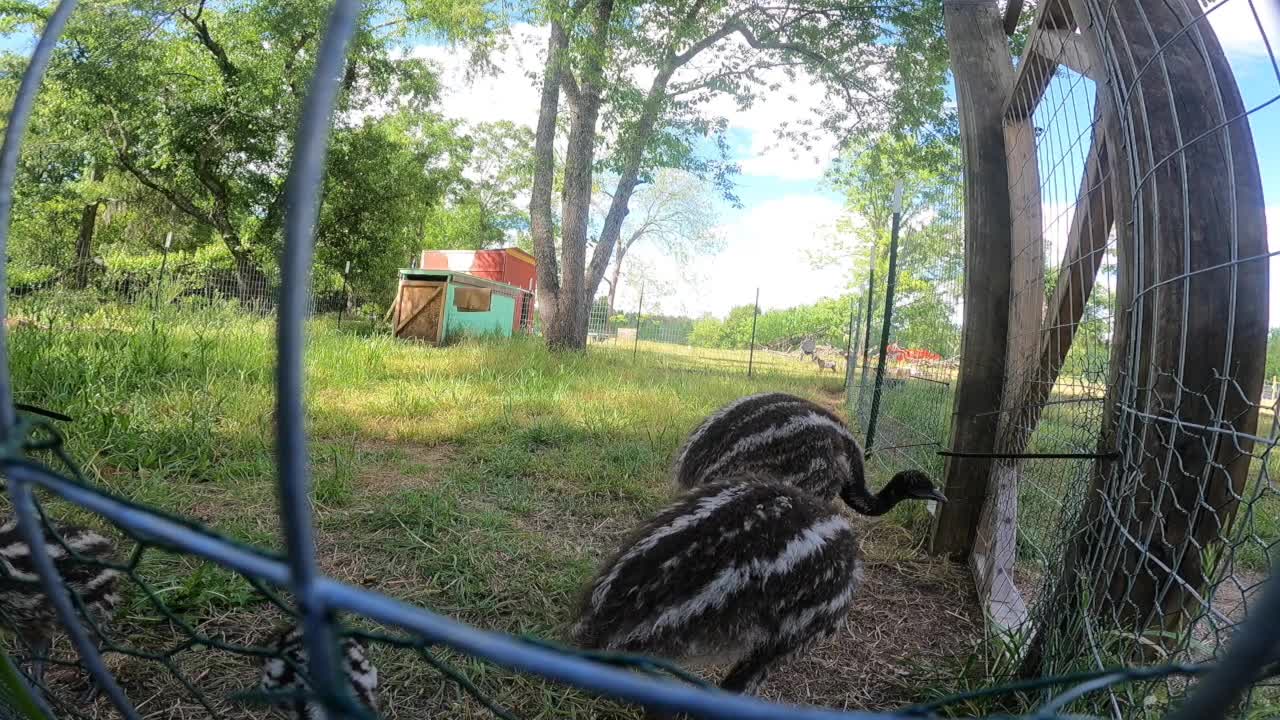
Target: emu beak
938, 496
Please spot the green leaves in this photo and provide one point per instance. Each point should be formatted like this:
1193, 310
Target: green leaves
190, 109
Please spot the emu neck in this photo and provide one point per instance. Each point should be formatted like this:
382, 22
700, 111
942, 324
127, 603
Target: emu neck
864, 502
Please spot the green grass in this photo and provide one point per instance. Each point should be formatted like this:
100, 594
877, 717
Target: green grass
482, 480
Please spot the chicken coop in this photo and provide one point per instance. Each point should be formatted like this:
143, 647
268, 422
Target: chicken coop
440, 305
509, 265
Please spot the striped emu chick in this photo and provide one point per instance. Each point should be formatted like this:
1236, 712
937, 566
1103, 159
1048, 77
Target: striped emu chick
795, 441
286, 670
747, 571
81, 559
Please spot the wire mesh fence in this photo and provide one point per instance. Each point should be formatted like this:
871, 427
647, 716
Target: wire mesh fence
908, 324
1130, 514
749, 339
176, 282
162, 652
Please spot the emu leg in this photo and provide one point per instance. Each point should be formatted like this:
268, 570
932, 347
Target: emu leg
749, 673
39, 646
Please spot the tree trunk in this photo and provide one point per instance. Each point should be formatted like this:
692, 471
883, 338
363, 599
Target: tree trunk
575, 296
628, 180
542, 227
617, 277
84, 241
573, 311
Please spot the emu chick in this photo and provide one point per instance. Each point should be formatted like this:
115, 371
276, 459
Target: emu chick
81, 560
285, 671
748, 571
795, 441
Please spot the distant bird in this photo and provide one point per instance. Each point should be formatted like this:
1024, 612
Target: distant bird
285, 671
796, 441
82, 559
749, 571
824, 364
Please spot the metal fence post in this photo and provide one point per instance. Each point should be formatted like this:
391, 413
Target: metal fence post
155, 296
342, 310
755, 313
855, 314
888, 316
635, 348
871, 304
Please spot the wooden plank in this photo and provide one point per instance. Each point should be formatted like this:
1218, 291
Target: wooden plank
1087, 238
1068, 48
421, 311
1034, 69
983, 73
1026, 292
415, 309
1012, 14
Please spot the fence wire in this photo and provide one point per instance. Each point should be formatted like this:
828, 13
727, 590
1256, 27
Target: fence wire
913, 367
750, 339
155, 656
1135, 135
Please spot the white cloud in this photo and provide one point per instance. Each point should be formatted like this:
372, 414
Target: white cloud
767, 248
1240, 32
510, 94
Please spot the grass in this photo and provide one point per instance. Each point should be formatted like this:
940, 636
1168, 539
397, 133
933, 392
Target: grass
483, 480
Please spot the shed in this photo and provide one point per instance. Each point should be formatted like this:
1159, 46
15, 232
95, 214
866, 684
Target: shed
436, 306
509, 265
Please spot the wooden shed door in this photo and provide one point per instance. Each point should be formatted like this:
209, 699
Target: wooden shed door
420, 311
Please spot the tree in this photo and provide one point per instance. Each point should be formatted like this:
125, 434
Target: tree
692, 52
198, 101
930, 249
675, 214
380, 177
486, 209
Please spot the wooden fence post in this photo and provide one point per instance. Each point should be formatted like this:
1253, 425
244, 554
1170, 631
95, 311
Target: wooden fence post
983, 70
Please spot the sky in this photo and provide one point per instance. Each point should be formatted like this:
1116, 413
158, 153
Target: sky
786, 209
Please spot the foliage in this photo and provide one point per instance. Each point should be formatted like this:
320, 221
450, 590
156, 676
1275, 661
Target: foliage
485, 209
188, 109
1273, 354
931, 247
673, 215
655, 78
381, 175
827, 321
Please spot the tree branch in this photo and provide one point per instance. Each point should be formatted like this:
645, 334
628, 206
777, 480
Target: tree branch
572, 93
229, 70
181, 203
289, 61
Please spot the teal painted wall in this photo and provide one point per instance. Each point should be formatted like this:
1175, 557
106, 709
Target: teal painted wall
495, 322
